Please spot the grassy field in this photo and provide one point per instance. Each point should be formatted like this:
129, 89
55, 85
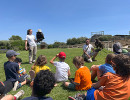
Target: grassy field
59, 92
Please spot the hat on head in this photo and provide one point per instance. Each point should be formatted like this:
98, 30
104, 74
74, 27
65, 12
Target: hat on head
62, 55
39, 30
11, 53
117, 47
2, 88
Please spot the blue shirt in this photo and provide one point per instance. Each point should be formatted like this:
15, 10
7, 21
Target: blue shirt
11, 71
37, 98
106, 68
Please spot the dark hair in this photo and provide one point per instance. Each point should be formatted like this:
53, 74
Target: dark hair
122, 65
87, 38
109, 58
18, 60
28, 31
43, 83
78, 60
41, 60
62, 59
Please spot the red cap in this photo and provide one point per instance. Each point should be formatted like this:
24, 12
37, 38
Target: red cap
62, 55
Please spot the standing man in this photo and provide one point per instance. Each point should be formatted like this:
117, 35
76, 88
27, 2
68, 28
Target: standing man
87, 54
30, 39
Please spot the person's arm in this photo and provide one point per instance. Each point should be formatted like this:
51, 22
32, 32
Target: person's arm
93, 50
52, 60
26, 45
69, 73
32, 68
101, 82
86, 53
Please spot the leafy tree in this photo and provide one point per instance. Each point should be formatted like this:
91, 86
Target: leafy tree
15, 37
105, 38
74, 41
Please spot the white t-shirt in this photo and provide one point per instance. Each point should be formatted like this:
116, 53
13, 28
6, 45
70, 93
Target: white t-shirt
88, 48
30, 39
61, 71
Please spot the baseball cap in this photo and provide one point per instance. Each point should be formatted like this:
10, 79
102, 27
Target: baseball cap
2, 88
62, 55
117, 47
11, 53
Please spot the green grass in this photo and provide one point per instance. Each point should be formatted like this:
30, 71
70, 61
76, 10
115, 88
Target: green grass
59, 92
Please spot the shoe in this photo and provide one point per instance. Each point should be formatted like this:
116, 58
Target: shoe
32, 74
71, 98
33, 61
94, 60
19, 94
15, 85
30, 62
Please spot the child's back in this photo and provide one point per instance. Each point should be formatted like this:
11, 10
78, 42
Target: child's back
83, 77
11, 71
61, 71
116, 85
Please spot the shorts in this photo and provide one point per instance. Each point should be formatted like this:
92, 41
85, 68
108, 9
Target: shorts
71, 86
8, 86
90, 94
22, 78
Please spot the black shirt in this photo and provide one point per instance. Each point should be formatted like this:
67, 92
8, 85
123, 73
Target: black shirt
11, 71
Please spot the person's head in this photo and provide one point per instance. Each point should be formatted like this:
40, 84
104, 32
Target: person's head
18, 60
11, 55
41, 60
43, 83
87, 41
109, 58
62, 56
29, 31
121, 64
117, 48
2, 88
78, 61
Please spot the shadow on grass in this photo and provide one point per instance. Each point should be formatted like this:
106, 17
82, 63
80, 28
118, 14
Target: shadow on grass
25, 62
65, 88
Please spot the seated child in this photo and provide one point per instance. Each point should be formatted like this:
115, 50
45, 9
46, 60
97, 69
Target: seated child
62, 68
43, 84
99, 70
22, 71
9, 97
117, 86
82, 80
11, 71
39, 65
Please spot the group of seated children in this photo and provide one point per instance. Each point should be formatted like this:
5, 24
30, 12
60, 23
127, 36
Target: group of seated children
112, 84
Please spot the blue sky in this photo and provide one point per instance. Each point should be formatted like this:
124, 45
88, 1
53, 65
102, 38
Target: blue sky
63, 19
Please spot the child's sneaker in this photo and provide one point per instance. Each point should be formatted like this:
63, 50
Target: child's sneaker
71, 98
19, 94
15, 85
32, 74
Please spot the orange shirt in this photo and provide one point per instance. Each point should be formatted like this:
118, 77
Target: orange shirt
116, 88
83, 77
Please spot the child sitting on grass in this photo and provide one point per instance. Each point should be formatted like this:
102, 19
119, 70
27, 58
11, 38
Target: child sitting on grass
117, 86
3, 96
39, 65
22, 71
43, 84
99, 70
12, 71
62, 68
82, 80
